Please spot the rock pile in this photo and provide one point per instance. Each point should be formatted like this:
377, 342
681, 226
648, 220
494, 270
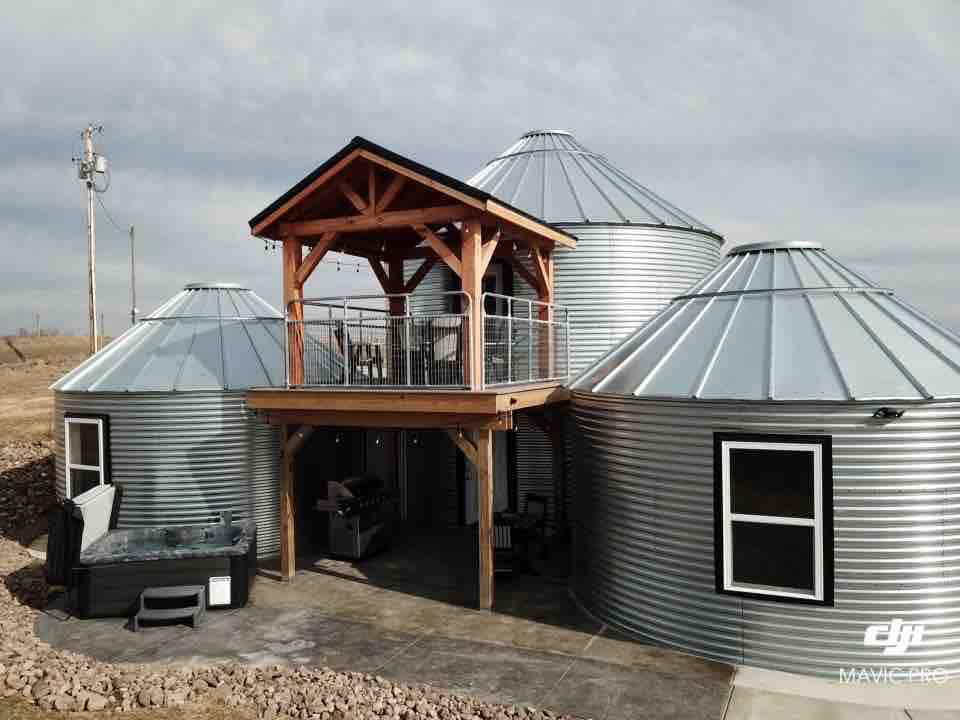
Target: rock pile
60, 680
26, 485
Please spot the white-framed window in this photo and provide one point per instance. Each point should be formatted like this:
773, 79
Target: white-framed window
774, 516
86, 454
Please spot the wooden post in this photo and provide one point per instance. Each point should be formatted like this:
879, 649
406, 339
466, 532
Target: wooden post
396, 340
544, 263
484, 468
288, 507
293, 290
472, 279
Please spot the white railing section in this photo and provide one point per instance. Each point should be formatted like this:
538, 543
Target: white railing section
524, 341
384, 340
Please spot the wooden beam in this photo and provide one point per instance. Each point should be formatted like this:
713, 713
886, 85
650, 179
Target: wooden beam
371, 189
390, 194
415, 421
283, 209
524, 272
296, 440
542, 267
489, 247
381, 274
292, 293
536, 227
350, 194
423, 180
379, 221
288, 508
309, 264
546, 394
471, 280
484, 468
466, 445
443, 251
420, 274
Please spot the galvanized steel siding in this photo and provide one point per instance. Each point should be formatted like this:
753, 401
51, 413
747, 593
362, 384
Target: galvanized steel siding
645, 544
619, 276
182, 457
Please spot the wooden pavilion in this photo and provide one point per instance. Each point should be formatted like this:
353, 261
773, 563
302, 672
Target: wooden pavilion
369, 202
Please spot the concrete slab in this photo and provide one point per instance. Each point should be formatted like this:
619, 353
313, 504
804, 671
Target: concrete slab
750, 704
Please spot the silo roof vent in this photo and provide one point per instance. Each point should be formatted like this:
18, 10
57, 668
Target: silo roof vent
783, 321
209, 336
551, 175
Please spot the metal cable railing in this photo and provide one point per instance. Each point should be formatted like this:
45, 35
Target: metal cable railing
524, 341
383, 341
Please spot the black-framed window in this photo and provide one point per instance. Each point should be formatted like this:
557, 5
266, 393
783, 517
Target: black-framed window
773, 499
86, 452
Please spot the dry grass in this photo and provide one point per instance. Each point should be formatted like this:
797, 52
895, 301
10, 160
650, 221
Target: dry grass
26, 403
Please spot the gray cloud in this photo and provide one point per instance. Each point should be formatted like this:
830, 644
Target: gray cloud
784, 121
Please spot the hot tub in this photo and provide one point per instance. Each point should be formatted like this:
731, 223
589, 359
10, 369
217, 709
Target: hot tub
115, 568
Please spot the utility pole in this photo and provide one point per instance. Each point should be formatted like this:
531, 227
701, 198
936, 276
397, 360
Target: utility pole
133, 280
89, 165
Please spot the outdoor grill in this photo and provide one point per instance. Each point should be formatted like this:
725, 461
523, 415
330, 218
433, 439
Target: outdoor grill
361, 515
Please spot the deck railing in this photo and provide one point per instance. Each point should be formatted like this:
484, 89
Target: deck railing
524, 341
407, 341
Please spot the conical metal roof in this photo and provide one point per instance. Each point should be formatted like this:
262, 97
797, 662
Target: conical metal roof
551, 175
783, 321
209, 336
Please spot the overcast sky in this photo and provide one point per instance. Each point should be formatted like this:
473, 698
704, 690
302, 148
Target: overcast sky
837, 124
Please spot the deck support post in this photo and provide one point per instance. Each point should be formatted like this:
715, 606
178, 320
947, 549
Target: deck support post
288, 525
484, 470
293, 310
472, 280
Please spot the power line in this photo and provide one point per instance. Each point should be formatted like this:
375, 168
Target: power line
110, 217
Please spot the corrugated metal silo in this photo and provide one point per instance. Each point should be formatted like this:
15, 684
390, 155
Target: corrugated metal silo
181, 440
781, 340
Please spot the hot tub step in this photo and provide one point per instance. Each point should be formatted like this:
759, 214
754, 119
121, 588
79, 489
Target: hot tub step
189, 599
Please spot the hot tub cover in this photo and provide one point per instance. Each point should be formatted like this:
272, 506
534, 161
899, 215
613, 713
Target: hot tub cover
209, 336
783, 321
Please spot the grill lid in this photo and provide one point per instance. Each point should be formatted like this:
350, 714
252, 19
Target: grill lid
551, 175
783, 321
209, 336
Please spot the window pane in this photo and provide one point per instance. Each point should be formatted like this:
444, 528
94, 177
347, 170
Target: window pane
772, 482
773, 555
83, 480
84, 443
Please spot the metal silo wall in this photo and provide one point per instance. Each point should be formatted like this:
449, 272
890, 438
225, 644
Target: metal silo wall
184, 456
619, 276
644, 559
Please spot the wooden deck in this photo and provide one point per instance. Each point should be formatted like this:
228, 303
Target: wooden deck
402, 408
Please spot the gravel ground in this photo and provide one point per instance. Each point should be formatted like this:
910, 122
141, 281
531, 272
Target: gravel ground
57, 680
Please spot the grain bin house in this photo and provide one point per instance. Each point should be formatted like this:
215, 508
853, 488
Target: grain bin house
768, 467
162, 411
450, 386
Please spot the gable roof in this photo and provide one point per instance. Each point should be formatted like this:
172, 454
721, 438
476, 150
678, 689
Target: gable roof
362, 144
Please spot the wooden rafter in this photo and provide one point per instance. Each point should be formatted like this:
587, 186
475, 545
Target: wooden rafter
378, 221
420, 274
486, 252
371, 189
443, 250
381, 274
524, 272
466, 445
313, 259
390, 194
541, 268
350, 194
